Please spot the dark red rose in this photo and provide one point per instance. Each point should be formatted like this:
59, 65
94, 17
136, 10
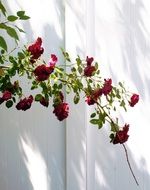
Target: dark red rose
94, 96
25, 103
61, 111
89, 60
107, 88
134, 99
6, 95
89, 70
90, 100
122, 135
36, 50
44, 102
42, 72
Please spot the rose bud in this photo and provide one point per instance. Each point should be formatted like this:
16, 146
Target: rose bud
134, 100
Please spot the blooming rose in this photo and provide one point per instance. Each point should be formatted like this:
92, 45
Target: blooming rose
36, 50
89, 69
42, 72
6, 95
61, 111
134, 99
107, 88
44, 102
25, 103
122, 135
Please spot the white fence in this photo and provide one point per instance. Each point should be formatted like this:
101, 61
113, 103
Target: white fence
37, 152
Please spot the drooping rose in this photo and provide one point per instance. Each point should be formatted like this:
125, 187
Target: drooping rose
89, 70
44, 102
122, 135
134, 100
107, 88
25, 103
61, 111
36, 50
6, 95
42, 72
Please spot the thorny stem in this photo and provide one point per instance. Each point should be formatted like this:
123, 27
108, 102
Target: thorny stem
131, 170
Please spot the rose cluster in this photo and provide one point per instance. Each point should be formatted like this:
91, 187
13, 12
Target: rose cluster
46, 77
95, 94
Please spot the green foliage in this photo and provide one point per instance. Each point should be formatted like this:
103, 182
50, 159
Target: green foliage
3, 43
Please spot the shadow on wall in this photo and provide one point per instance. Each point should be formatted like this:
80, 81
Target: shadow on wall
110, 168
135, 46
32, 143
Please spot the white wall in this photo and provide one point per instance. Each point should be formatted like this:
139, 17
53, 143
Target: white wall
38, 152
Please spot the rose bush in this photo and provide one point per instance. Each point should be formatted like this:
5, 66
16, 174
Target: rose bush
50, 78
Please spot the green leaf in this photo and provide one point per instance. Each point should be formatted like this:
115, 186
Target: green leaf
73, 69
2, 8
20, 30
93, 115
96, 65
111, 136
12, 18
3, 43
20, 13
9, 103
12, 33
21, 55
100, 125
80, 69
24, 17
3, 26
78, 60
76, 99
94, 121
114, 127
38, 97
60, 86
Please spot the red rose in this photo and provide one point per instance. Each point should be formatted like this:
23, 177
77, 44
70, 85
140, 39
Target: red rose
6, 95
89, 70
122, 135
36, 50
61, 111
89, 60
44, 102
90, 100
42, 72
25, 103
94, 96
134, 99
107, 88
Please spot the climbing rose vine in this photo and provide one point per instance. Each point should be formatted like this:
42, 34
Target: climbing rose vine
83, 79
